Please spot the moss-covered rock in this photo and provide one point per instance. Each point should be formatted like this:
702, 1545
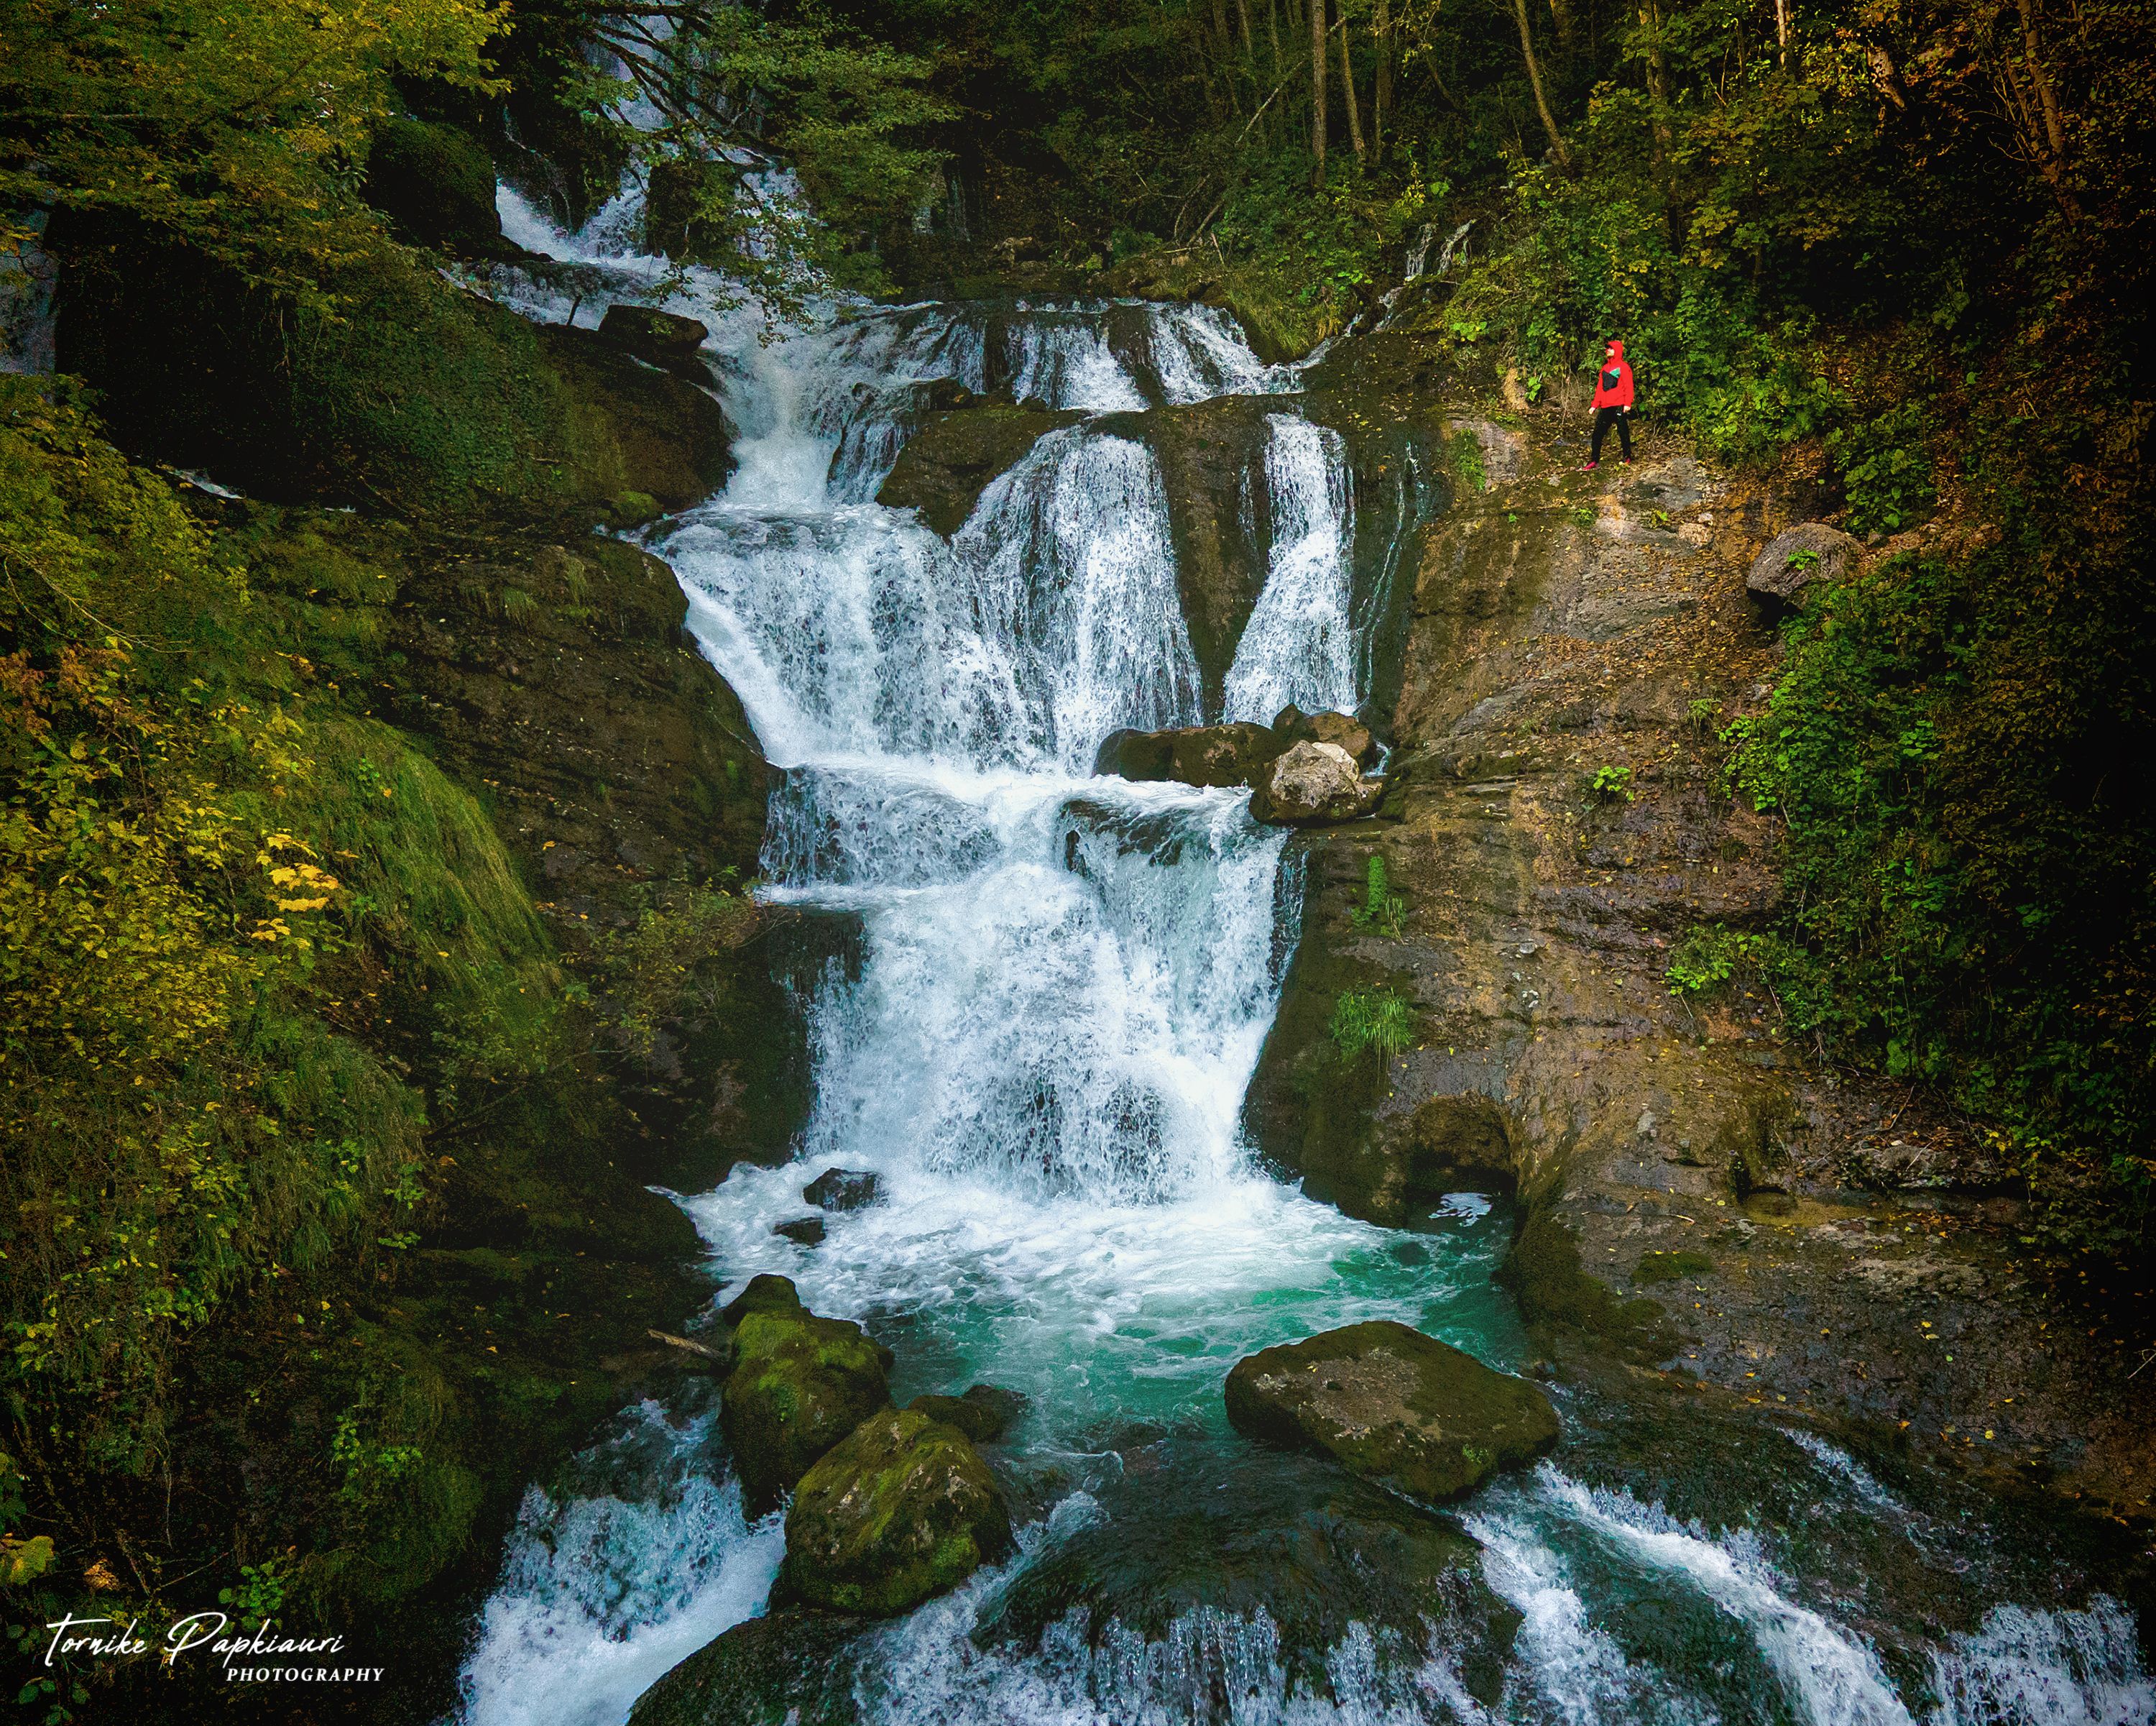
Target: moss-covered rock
800, 1384
436, 185
394, 388
664, 339
1232, 754
903, 1508
1238, 1530
984, 1414
954, 455
1393, 1406
784, 1669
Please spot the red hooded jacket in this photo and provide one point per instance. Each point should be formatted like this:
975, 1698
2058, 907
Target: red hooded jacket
1613, 387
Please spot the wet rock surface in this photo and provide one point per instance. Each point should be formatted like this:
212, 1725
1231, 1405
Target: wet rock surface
1238, 752
1393, 1406
900, 1510
954, 454
1231, 754
664, 339
1282, 1554
984, 1414
783, 1669
843, 1190
1562, 622
800, 1384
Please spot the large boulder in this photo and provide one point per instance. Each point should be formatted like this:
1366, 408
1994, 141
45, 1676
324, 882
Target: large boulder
663, 339
1312, 784
902, 1509
1237, 752
436, 185
1796, 561
1393, 1406
953, 456
783, 1669
800, 1384
1283, 1553
984, 1414
843, 1190
1231, 754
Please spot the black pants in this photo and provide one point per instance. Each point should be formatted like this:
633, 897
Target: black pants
1604, 417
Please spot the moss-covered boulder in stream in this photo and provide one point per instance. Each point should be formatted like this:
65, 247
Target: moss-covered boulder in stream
1393, 1406
800, 1384
954, 456
1284, 1555
784, 1669
901, 1509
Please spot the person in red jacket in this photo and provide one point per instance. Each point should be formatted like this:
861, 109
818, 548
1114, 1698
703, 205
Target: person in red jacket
1613, 405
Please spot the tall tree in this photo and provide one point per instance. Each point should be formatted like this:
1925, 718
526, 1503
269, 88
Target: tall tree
1382, 97
1558, 145
1317, 91
1348, 94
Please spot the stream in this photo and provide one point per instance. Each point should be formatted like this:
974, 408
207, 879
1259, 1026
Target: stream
1052, 993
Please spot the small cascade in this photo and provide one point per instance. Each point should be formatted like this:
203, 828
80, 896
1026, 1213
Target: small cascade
1300, 645
598, 1596
1073, 577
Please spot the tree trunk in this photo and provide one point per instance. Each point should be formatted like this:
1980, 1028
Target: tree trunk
2052, 129
1348, 97
1561, 15
1781, 30
1381, 100
1317, 91
1249, 41
1541, 99
1272, 29
1658, 72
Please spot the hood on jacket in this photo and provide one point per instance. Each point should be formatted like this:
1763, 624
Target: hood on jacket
1615, 352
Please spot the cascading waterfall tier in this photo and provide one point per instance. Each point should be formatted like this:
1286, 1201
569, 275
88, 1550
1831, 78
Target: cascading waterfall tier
1059, 989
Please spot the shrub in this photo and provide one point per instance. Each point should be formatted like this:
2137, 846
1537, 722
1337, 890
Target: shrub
1371, 1019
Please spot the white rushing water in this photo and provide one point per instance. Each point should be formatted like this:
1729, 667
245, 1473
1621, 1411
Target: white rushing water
1058, 991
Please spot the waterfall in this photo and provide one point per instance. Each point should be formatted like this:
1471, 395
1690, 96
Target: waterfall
1059, 988
1299, 644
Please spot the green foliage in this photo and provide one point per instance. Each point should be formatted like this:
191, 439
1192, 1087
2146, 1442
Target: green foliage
1464, 450
735, 87
1611, 785
1382, 907
233, 130
1711, 958
1371, 1020
260, 1595
642, 971
1970, 899
216, 894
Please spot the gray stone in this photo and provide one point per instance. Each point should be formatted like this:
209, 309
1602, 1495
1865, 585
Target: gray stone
1393, 1406
1312, 784
1796, 561
843, 1190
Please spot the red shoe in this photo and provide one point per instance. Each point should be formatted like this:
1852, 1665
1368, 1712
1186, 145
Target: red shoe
1624, 461
1589, 467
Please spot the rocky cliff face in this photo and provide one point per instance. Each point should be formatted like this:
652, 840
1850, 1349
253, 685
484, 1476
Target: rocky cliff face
1699, 1199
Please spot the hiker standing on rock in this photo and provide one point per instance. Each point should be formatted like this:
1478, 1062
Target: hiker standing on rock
1613, 405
